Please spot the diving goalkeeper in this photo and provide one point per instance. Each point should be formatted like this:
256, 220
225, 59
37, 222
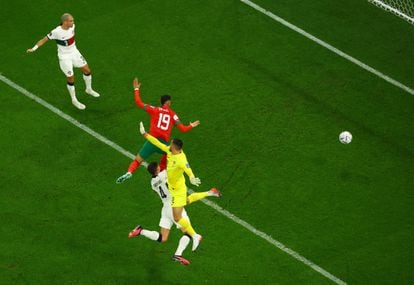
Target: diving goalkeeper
177, 164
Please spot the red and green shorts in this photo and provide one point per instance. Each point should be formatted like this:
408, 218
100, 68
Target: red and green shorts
148, 149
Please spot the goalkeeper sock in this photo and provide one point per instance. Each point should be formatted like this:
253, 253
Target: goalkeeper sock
182, 245
150, 234
196, 196
186, 226
133, 166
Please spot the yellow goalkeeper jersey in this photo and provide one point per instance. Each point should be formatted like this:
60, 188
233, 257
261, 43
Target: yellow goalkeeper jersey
177, 164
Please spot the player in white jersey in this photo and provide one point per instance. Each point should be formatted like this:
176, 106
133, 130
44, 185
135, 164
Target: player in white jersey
160, 186
69, 57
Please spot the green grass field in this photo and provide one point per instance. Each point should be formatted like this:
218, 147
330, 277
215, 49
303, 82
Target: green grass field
271, 105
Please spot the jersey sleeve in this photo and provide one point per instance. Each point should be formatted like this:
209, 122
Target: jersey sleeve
150, 109
147, 108
52, 35
163, 176
157, 143
180, 125
183, 128
187, 169
175, 118
138, 100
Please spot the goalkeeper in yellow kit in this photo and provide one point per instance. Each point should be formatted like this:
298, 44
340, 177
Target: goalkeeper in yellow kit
177, 164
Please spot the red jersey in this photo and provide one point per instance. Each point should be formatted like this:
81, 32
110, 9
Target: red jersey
162, 119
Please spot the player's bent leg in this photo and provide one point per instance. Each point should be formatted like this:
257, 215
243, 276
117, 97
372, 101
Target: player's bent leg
70, 80
182, 245
163, 162
196, 241
152, 235
67, 68
131, 169
146, 150
86, 69
196, 196
186, 226
87, 77
165, 233
135, 164
179, 200
177, 213
71, 89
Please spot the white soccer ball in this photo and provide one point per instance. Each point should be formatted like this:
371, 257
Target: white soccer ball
345, 137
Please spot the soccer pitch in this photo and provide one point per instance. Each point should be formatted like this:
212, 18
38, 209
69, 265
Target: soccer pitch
271, 104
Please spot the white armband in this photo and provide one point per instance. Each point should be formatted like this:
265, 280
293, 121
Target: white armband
35, 47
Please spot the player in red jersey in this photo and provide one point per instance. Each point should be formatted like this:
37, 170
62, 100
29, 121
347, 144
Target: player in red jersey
162, 121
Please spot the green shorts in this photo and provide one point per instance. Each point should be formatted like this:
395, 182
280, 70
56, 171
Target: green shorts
148, 149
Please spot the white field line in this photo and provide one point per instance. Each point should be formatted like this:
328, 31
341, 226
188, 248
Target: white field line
329, 47
213, 205
272, 241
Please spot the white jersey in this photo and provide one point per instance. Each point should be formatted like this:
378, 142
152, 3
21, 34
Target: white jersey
65, 40
159, 185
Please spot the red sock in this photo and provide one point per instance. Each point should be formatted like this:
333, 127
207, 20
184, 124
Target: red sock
163, 162
133, 166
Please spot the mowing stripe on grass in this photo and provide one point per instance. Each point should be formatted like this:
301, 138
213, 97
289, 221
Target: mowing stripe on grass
329, 47
66, 117
272, 241
213, 205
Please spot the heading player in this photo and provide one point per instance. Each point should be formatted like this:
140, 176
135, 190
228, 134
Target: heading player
162, 121
159, 185
69, 57
177, 164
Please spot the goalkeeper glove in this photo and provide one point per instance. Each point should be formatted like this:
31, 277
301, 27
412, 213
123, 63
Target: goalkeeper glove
195, 181
142, 129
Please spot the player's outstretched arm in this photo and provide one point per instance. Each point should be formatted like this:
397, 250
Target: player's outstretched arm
136, 83
37, 45
193, 180
138, 100
152, 139
184, 129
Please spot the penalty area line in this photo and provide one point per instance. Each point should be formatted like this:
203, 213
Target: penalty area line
272, 241
209, 203
329, 47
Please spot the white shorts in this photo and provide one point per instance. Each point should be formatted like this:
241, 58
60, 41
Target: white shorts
68, 61
167, 219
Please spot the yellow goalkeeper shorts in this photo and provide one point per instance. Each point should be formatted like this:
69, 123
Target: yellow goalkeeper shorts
178, 197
